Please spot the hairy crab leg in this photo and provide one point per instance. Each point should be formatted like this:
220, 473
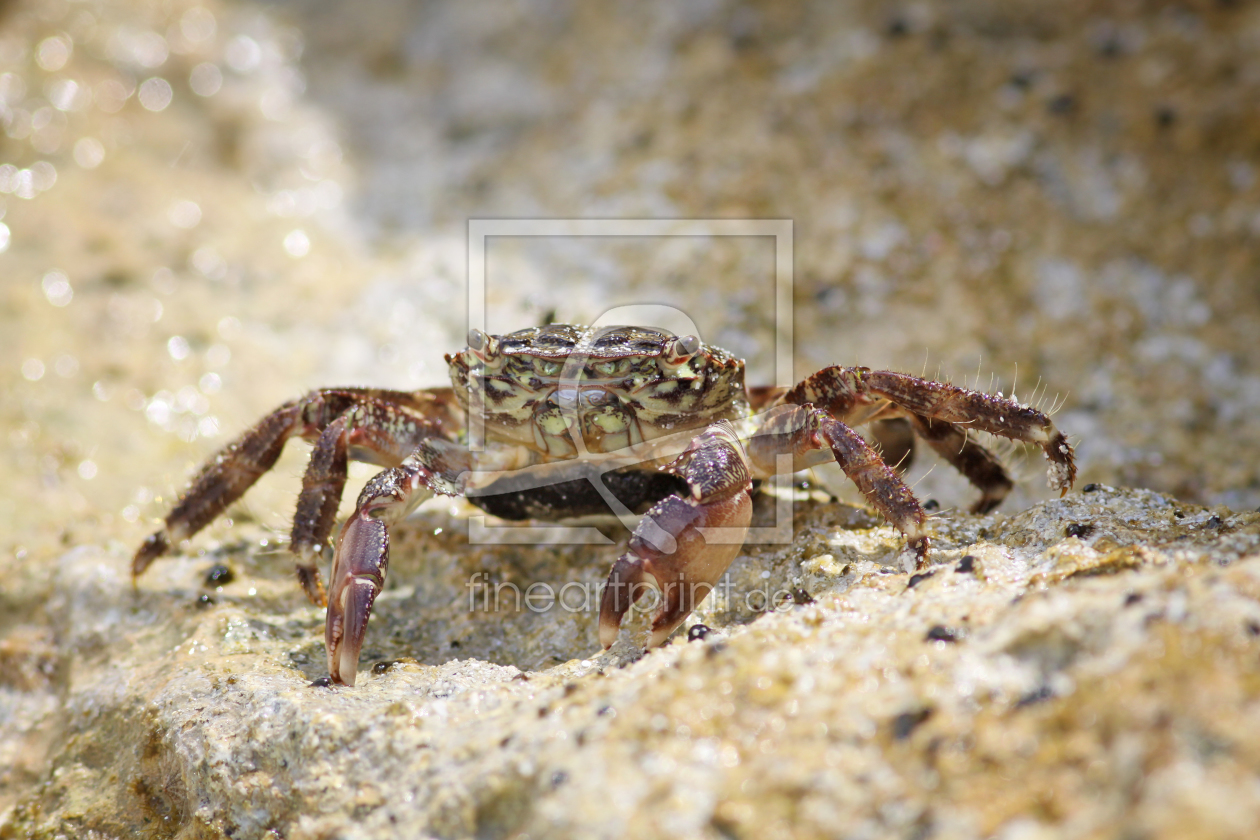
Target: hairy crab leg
222, 481
980, 466
895, 438
842, 391
676, 548
801, 430
362, 555
374, 430
231, 472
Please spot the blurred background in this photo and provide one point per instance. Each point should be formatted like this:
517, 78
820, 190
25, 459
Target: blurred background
211, 207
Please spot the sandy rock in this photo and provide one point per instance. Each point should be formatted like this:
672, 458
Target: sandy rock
208, 208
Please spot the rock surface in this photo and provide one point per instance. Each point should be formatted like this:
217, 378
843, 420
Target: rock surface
207, 208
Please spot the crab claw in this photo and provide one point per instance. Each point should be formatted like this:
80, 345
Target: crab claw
671, 552
358, 575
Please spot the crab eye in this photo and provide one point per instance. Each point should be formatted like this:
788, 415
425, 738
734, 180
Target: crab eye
476, 339
687, 345
678, 352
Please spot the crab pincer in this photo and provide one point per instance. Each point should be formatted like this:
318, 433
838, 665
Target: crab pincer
361, 561
684, 544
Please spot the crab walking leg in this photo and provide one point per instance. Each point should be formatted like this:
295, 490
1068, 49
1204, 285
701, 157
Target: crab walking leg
387, 424
361, 560
980, 466
801, 430
844, 391
678, 548
373, 430
222, 481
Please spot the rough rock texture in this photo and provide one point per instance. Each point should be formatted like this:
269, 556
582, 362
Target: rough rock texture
206, 209
1030, 683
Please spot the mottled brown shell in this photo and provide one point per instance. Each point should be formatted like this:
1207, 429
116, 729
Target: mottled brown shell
619, 386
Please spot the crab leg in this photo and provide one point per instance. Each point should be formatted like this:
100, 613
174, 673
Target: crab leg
802, 430
379, 423
374, 430
845, 392
676, 548
980, 466
362, 556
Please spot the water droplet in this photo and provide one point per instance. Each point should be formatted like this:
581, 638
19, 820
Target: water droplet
43, 175
197, 24
297, 243
88, 152
66, 95
66, 365
243, 54
207, 260
206, 79
185, 214
177, 346
53, 53
111, 95
156, 94
210, 383
57, 288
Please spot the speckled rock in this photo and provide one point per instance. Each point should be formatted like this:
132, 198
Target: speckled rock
206, 208
1087, 667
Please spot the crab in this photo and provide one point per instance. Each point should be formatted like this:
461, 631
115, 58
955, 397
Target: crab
561, 421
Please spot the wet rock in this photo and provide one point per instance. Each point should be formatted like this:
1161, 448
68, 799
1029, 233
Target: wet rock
208, 209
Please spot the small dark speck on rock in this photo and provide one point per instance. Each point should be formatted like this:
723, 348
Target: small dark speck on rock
454, 643
1043, 693
1080, 530
205, 601
322, 682
898, 28
1132, 598
1023, 81
382, 667
715, 648
931, 504
1090, 488
1165, 117
1214, 521
1064, 103
1253, 628
697, 633
219, 575
558, 778
967, 565
915, 580
907, 722
941, 633
1179, 515
800, 597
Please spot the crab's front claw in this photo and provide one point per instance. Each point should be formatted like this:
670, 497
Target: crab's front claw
358, 575
681, 549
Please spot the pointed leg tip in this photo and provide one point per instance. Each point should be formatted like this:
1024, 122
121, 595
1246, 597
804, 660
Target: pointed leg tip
312, 584
153, 547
